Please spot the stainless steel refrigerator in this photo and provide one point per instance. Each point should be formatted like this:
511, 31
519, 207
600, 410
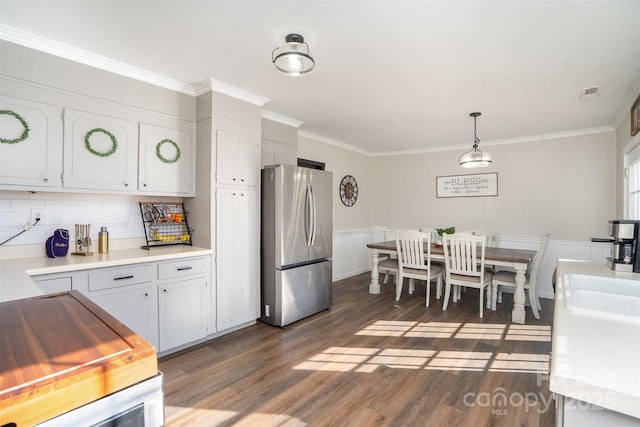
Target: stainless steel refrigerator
297, 232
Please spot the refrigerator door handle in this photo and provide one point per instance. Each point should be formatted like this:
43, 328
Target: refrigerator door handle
313, 215
309, 216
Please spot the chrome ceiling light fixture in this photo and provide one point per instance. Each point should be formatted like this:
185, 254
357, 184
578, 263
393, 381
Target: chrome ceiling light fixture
475, 158
292, 58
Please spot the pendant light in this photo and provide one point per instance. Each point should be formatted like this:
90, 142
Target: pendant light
292, 58
475, 158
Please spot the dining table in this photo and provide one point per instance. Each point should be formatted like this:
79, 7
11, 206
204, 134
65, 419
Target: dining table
518, 259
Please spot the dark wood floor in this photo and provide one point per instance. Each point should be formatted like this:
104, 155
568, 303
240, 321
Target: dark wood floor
370, 362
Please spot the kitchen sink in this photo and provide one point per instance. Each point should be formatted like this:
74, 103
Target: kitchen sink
613, 298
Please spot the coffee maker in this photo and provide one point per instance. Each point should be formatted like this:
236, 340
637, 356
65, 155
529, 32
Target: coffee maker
624, 245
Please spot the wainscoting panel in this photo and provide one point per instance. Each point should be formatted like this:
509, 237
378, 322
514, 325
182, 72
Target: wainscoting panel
351, 256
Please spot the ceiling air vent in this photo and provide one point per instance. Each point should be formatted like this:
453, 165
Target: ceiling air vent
589, 93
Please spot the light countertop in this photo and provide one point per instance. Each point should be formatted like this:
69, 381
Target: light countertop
595, 359
15, 274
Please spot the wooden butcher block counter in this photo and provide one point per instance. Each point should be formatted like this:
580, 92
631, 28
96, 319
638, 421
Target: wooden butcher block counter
61, 351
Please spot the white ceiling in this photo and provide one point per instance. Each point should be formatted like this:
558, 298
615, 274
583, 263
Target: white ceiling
390, 75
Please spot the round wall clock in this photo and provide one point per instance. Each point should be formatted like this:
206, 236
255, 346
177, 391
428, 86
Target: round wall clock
348, 190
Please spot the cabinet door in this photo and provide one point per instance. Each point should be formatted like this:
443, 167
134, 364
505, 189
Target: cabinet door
237, 159
100, 152
248, 160
32, 155
226, 257
183, 312
226, 157
249, 309
166, 164
238, 259
136, 307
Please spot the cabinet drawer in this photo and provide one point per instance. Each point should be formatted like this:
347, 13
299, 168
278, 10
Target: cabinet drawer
183, 267
51, 286
120, 276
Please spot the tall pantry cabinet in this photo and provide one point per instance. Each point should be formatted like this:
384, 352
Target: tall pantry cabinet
226, 214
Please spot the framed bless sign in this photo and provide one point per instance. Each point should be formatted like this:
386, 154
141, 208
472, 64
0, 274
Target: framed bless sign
479, 185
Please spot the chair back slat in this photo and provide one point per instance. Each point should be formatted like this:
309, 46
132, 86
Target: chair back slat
377, 234
461, 254
411, 246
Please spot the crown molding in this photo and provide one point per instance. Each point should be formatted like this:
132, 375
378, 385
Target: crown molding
227, 89
335, 143
43, 44
531, 138
46, 45
275, 117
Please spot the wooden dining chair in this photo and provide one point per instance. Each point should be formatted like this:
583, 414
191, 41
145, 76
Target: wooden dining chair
508, 278
491, 235
464, 266
414, 262
386, 263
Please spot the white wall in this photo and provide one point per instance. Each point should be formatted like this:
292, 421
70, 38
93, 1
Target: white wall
563, 186
344, 162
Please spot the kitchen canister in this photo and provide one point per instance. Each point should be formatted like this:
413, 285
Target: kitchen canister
57, 245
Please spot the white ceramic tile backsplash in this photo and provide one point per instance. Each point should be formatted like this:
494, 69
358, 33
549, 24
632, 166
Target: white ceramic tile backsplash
120, 214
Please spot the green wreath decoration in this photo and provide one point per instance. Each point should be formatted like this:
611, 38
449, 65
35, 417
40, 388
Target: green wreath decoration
164, 159
23, 122
114, 142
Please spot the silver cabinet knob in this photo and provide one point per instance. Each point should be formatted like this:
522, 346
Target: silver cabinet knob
45, 179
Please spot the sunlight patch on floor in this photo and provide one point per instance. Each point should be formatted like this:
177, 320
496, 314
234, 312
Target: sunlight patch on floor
520, 362
460, 361
269, 420
364, 360
212, 417
197, 416
473, 331
387, 328
432, 330
480, 331
529, 333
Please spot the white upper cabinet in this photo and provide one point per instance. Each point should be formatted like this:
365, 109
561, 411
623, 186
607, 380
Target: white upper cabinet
237, 159
166, 160
31, 145
100, 152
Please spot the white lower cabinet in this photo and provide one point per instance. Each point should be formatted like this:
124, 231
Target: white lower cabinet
183, 312
168, 303
50, 284
135, 306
